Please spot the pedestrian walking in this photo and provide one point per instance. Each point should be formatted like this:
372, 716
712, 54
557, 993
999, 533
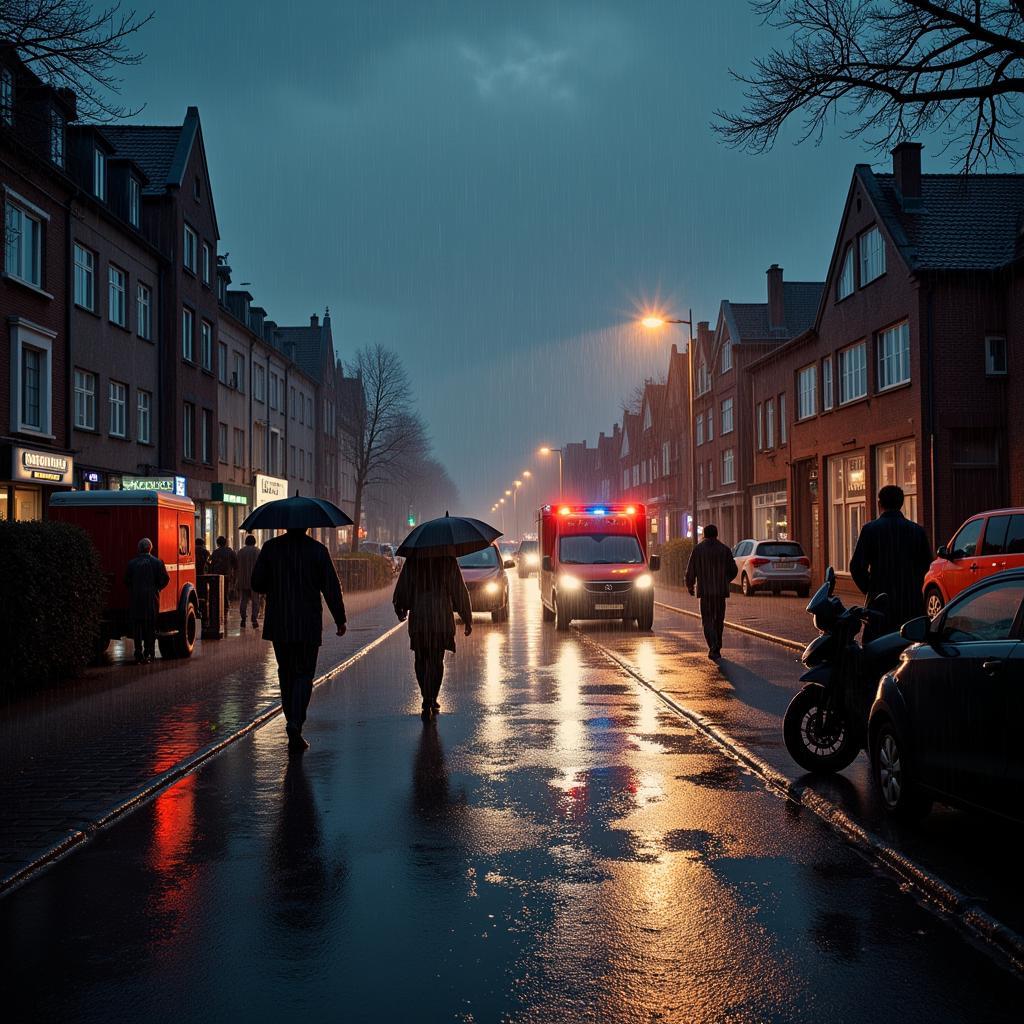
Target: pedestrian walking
202, 556
293, 571
431, 591
891, 557
246, 560
145, 577
709, 572
224, 562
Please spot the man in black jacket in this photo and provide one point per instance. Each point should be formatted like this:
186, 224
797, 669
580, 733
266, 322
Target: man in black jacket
891, 557
145, 577
293, 572
710, 571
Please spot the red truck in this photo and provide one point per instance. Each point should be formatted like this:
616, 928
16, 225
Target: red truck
594, 563
116, 521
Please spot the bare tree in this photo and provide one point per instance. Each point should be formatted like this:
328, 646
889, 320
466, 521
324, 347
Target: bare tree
897, 68
381, 434
75, 45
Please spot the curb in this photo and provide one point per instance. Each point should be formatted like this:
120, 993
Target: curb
939, 896
148, 792
793, 645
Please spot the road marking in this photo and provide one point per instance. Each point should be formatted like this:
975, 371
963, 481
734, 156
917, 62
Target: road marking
782, 641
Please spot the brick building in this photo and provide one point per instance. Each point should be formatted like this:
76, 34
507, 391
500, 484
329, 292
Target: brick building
669, 498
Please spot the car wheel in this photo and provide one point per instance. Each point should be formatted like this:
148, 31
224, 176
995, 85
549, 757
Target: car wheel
745, 587
645, 620
933, 603
562, 618
893, 777
546, 613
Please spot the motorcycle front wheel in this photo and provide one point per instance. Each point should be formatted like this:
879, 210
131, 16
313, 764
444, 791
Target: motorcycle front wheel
818, 740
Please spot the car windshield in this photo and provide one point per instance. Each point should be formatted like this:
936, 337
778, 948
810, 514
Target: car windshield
528, 547
779, 549
600, 549
486, 559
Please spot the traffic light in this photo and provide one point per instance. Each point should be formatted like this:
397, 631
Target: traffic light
411, 520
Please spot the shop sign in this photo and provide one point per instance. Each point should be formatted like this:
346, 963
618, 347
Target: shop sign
41, 467
167, 484
270, 488
228, 495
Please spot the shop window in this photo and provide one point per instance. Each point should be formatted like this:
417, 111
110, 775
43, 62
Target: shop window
847, 506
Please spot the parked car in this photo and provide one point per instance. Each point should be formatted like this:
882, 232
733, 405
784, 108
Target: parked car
528, 558
484, 573
774, 565
507, 548
944, 724
987, 543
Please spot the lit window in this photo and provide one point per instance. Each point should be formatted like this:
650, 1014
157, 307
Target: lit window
894, 356
23, 245
872, 256
85, 400
995, 356
844, 286
118, 408
85, 277
853, 373
807, 392
117, 287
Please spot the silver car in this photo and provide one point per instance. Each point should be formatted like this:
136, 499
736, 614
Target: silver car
774, 565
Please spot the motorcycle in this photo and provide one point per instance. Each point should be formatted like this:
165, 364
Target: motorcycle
825, 727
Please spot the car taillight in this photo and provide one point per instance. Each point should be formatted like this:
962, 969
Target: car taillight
804, 561
755, 562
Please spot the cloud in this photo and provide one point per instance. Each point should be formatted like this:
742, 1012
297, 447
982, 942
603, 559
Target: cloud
523, 68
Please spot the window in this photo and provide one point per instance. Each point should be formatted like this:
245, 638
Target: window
711, 475
259, 383
807, 392
727, 416
625, 479
844, 285
703, 379
826, 383
302, 409
302, 464
847, 505
769, 423
984, 617
666, 450
206, 344
31, 372
189, 252
85, 277
700, 428
6, 97
134, 202
273, 390
291, 403
222, 362
57, 124
23, 245
759, 418
995, 535
206, 263
727, 356
782, 419
238, 374
85, 400
206, 436
222, 442
700, 477
143, 420
872, 256
188, 431
728, 467
995, 356
32, 387
144, 311
99, 173
184, 540
117, 287
709, 424
894, 356
239, 447
188, 335
309, 411
853, 373
309, 464
118, 409
965, 543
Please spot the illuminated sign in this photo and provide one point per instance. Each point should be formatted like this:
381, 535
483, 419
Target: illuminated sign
270, 488
91, 478
167, 484
229, 495
41, 467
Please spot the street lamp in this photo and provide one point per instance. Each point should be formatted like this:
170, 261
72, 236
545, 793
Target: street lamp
515, 507
546, 450
652, 322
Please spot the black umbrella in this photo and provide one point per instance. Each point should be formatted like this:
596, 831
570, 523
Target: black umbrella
449, 535
295, 514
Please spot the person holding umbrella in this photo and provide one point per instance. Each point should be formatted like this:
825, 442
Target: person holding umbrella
431, 591
293, 572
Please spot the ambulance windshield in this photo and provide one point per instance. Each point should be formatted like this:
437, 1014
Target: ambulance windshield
600, 549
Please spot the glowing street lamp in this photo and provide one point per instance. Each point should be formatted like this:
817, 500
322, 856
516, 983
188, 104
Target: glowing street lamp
547, 450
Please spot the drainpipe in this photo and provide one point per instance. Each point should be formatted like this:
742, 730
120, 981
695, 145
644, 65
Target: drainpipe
932, 461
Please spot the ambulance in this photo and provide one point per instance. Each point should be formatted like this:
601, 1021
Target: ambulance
594, 563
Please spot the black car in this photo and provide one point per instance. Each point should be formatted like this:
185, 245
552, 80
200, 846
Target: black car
945, 724
528, 559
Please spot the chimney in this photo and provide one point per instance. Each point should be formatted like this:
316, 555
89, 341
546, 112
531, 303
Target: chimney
314, 320
776, 303
906, 169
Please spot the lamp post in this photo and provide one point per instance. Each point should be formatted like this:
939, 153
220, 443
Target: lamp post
653, 322
515, 507
547, 451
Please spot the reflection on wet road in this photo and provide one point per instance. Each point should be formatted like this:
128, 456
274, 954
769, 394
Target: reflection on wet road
559, 846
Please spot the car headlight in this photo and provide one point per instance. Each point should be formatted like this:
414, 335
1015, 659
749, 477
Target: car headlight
569, 583
492, 588
644, 582
533, 559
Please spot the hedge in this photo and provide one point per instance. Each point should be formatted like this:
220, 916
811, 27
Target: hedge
380, 569
54, 594
674, 556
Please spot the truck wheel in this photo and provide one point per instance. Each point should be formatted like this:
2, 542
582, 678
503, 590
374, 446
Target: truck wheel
546, 613
185, 641
645, 620
562, 619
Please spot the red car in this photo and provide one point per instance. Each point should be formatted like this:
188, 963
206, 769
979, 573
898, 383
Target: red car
987, 543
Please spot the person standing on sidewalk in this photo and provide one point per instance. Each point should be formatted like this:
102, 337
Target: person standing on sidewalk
246, 558
145, 577
224, 562
891, 558
709, 572
293, 571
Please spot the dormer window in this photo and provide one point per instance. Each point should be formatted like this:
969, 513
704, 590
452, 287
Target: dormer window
99, 173
134, 202
6, 97
57, 127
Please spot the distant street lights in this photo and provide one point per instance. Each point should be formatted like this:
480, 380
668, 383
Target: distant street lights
546, 450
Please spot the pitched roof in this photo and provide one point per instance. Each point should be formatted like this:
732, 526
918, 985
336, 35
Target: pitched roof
964, 222
748, 321
313, 344
152, 147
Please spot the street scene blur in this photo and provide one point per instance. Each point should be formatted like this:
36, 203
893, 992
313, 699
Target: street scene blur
612, 611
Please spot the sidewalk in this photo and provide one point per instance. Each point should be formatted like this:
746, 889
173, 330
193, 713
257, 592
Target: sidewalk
73, 752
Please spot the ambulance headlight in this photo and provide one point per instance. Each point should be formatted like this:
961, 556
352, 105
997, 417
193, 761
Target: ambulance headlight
533, 559
569, 583
644, 582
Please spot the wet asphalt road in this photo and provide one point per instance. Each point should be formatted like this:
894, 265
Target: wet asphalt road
559, 846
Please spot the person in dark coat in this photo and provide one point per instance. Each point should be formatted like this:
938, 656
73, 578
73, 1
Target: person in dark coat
891, 558
431, 591
224, 562
293, 571
246, 559
202, 556
709, 572
145, 577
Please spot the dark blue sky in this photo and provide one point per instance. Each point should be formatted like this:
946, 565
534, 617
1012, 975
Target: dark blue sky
493, 189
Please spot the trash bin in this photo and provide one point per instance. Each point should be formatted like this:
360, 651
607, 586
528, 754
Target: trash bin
211, 602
